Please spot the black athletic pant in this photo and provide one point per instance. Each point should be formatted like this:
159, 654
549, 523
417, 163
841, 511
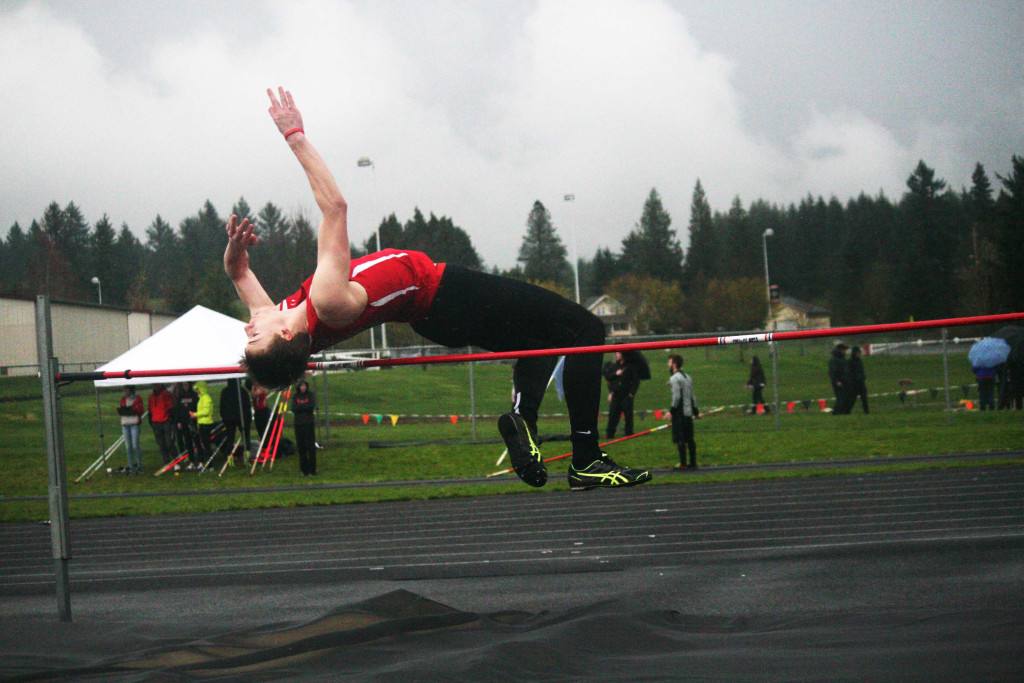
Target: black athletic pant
305, 444
683, 437
621, 405
501, 314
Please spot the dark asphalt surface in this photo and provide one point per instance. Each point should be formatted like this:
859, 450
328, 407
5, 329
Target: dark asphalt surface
893, 576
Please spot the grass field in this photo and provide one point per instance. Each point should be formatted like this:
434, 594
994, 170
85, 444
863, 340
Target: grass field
917, 425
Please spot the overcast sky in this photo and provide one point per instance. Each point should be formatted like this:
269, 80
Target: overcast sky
476, 109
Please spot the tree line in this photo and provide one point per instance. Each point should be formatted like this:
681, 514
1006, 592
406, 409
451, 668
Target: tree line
935, 252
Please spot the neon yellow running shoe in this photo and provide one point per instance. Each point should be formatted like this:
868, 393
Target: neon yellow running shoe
522, 450
604, 473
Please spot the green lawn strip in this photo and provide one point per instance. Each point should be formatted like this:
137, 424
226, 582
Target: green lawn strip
916, 426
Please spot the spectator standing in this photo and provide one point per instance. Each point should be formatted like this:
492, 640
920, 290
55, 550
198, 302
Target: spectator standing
304, 408
682, 412
185, 400
236, 413
837, 376
260, 411
204, 419
161, 419
858, 381
130, 409
623, 381
756, 382
986, 387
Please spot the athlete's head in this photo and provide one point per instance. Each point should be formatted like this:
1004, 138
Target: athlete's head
675, 362
279, 362
275, 356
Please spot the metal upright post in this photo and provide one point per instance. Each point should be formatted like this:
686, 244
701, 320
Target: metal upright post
327, 410
945, 374
58, 488
775, 380
472, 397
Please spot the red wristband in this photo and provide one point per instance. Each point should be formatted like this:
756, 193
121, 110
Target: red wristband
293, 131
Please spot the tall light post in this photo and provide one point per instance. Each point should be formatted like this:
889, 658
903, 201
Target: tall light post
364, 162
99, 285
767, 282
575, 258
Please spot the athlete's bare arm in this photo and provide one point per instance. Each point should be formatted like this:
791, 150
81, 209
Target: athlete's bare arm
337, 300
236, 264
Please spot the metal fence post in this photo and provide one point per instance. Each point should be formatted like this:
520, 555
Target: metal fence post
57, 477
945, 374
472, 398
775, 380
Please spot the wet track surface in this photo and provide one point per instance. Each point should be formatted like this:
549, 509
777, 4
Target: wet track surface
852, 575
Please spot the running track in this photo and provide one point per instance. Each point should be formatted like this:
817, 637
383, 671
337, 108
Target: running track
906, 576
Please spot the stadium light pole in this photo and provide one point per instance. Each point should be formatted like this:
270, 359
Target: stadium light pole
99, 285
575, 257
767, 282
768, 293
363, 162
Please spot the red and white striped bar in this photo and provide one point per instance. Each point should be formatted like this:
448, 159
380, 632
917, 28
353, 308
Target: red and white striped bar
575, 350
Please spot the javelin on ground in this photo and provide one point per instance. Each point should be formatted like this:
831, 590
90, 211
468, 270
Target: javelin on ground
575, 350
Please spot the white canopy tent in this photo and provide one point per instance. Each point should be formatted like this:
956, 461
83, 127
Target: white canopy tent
199, 339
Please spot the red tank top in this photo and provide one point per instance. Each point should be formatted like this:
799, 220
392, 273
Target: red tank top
400, 286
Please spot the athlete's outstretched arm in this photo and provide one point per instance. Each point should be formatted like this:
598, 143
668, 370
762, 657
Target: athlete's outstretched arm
330, 291
236, 264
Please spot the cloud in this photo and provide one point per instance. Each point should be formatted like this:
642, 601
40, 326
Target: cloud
470, 110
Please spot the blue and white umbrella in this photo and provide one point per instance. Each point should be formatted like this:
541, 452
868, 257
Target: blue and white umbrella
989, 352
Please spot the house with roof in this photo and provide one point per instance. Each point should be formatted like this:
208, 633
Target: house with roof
617, 323
792, 314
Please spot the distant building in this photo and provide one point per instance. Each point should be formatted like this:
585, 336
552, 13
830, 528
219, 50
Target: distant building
792, 314
613, 314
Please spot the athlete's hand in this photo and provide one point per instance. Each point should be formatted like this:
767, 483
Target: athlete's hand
284, 112
240, 238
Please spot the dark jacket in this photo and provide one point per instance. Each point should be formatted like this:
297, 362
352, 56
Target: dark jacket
837, 368
304, 407
855, 372
230, 410
185, 403
626, 382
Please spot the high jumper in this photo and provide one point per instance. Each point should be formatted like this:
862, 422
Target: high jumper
448, 304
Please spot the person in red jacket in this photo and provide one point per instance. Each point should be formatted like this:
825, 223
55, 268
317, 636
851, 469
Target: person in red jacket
161, 413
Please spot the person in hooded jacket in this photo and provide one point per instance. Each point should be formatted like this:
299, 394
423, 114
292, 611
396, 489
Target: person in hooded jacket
204, 419
304, 407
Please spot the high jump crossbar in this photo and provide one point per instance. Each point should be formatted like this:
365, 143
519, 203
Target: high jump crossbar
752, 338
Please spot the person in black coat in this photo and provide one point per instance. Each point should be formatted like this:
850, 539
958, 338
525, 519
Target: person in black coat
857, 380
756, 382
837, 376
623, 381
185, 402
236, 413
304, 407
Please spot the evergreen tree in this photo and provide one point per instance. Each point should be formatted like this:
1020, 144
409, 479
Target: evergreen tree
58, 239
303, 239
15, 266
1009, 236
701, 263
128, 279
652, 249
542, 253
267, 259
103, 266
603, 269
165, 262
926, 248
742, 254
